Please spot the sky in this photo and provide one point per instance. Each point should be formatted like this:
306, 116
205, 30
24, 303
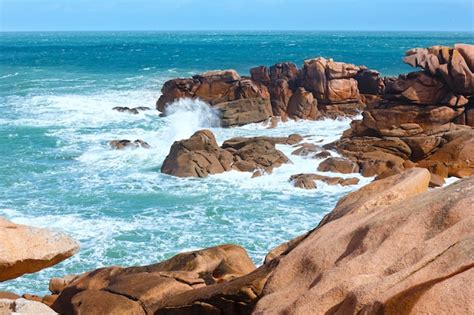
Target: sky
83, 15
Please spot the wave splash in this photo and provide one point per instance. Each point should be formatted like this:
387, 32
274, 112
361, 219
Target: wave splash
186, 116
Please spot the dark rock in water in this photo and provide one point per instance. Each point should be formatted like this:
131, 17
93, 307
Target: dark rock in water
124, 144
134, 110
307, 181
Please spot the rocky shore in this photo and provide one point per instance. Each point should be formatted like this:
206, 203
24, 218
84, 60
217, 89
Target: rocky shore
395, 246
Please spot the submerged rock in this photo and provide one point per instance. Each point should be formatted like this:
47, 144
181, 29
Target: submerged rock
127, 144
25, 249
133, 110
307, 181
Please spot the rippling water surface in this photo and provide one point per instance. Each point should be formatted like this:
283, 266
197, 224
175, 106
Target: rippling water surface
57, 91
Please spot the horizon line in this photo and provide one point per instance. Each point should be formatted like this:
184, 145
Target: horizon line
237, 30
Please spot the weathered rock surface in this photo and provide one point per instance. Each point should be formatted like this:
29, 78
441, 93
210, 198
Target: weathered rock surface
388, 248
303, 105
127, 144
307, 181
200, 155
25, 249
338, 165
244, 111
197, 156
143, 290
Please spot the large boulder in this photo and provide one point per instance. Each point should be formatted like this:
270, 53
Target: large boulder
391, 249
329, 81
142, 290
255, 154
244, 111
197, 156
25, 249
303, 105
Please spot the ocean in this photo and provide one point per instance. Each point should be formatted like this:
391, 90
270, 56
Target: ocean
57, 91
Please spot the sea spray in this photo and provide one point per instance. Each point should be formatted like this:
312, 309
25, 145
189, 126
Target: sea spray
186, 116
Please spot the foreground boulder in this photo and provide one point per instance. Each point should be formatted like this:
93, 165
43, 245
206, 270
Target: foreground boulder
200, 156
25, 249
375, 253
143, 290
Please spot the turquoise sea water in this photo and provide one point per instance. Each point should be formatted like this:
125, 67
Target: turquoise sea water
57, 91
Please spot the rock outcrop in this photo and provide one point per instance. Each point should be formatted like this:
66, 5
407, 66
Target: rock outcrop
25, 249
388, 248
419, 115
322, 88
200, 156
197, 156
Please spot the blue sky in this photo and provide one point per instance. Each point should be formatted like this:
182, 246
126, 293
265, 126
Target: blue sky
66, 15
